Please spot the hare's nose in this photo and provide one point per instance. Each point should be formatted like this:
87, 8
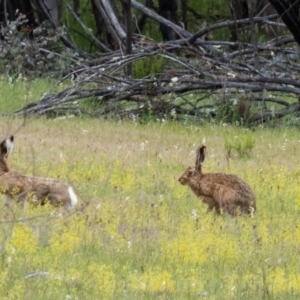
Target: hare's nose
179, 179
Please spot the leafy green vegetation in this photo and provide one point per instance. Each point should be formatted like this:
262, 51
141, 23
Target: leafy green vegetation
240, 146
150, 66
75, 29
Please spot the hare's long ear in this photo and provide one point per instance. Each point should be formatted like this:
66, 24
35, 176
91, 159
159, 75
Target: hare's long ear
200, 157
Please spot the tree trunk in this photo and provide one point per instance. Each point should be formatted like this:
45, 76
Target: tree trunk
168, 9
184, 8
238, 11
264, 8
76, 7
143, 19
102, 31
289, 11
107, 11
127, 12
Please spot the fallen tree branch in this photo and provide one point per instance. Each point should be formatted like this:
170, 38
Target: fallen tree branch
220, 80
113, 90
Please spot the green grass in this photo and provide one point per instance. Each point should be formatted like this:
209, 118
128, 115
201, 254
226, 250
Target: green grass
137, 233
17, 92
240, 146
143, 235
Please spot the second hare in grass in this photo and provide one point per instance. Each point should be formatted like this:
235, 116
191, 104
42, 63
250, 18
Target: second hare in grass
219, 190
21, 187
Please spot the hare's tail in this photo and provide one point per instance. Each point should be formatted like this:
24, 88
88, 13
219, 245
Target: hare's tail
73, 197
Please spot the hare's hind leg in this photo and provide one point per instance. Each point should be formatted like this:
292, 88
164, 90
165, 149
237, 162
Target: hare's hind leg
248, 210
217, 208
232, 209
8, 203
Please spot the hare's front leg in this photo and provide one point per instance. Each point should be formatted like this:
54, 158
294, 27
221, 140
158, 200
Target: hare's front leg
212, 204
217, 208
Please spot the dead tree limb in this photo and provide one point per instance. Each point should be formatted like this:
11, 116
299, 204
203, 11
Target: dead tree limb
189, 76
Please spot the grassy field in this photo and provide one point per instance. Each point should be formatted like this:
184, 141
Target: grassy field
137, 233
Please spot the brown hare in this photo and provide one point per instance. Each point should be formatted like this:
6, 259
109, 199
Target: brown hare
218, 190
18, 186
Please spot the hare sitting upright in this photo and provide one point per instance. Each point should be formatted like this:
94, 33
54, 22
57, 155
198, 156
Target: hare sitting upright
219, 190
18, 186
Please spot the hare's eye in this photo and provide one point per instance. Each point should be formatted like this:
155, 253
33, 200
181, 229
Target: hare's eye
190, 173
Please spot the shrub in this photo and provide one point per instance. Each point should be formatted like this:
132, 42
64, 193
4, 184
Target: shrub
240, 146
33, 51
